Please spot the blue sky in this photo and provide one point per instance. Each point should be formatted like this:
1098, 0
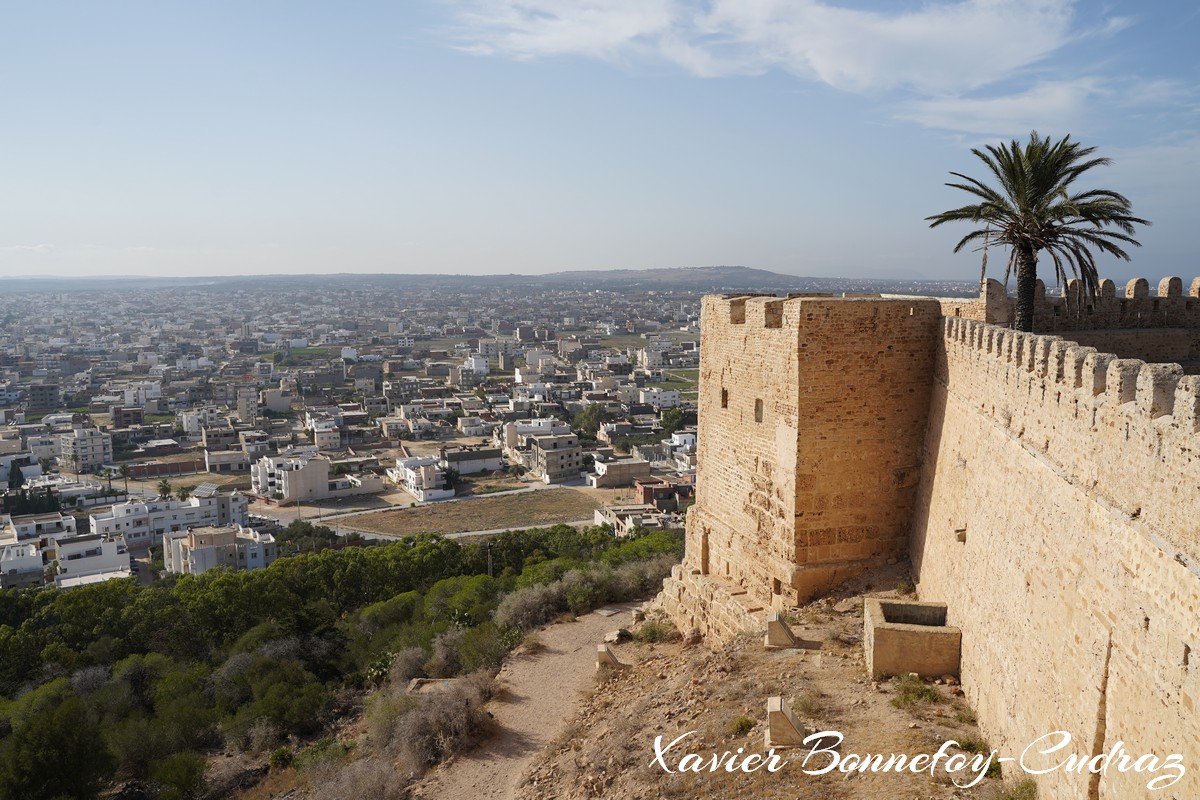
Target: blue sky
481, 136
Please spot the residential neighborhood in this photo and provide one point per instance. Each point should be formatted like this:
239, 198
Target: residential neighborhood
146, 431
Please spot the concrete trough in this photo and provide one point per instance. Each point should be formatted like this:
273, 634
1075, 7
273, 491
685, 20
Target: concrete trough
903, 636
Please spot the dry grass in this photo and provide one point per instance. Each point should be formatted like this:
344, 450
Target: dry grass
525, 510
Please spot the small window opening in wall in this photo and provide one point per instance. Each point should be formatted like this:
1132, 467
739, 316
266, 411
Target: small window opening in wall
1145, 623
776, 586
1187, 655
724, 398
758, 410
961, 535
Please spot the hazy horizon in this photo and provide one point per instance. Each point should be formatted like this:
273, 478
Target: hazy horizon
807, 138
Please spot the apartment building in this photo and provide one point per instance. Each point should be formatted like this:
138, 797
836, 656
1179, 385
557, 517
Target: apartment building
557, 458
235, 547
145, 523
293, 477
84, 449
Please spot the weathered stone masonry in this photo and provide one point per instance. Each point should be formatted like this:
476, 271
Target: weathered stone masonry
1047, 491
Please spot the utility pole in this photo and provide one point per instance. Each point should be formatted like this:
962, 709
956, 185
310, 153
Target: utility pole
489, 552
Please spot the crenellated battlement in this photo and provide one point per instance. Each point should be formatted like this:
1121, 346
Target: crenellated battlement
768, 311
1105, 422
1102, 379
1133, 307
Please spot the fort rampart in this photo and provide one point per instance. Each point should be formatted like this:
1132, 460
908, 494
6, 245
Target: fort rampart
1046, 490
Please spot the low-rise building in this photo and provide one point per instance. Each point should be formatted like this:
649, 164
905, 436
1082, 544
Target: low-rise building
90, 558
235, 547
36, 527
627, 519
472, 460
618, 472
225, 461
20, 565
422, 477
660, 398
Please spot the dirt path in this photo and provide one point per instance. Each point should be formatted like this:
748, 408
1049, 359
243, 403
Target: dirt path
540, 693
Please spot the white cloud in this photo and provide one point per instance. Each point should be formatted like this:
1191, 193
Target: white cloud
940, 47
604, 29
28, 248
1050, 107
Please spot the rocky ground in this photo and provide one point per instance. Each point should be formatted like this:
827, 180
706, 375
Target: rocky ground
672, 688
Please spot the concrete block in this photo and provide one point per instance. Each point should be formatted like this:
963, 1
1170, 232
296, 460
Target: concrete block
606, 658
782, 728
902, 636
779, 634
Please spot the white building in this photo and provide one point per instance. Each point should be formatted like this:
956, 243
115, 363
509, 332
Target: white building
36, 527
20, 565
25, 462
198, 550
683, 440
326, 434
145, 523
421, 477
84, 450
142, 392
195, 421
660, 398
287, 478
90, 559
42, 446
476, 364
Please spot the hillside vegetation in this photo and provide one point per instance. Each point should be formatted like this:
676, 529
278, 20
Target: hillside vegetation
120, 682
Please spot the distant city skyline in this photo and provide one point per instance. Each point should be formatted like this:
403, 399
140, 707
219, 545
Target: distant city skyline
494, 136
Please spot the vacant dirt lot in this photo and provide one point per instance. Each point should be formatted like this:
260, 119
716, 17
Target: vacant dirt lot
524, 510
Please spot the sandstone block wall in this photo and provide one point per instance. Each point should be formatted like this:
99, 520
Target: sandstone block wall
812, 416
1048, 491
1059, 519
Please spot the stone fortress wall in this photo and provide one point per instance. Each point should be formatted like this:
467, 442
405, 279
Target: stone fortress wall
1047, 491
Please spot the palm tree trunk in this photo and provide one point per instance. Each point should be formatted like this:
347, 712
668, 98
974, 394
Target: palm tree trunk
1026, 283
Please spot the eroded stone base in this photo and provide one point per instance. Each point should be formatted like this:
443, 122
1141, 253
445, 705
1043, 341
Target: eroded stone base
719, 610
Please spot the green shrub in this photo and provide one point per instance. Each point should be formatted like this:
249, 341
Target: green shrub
653, 630
326, 751
281, 758
810, 703
911, 691
739, 726
180, 776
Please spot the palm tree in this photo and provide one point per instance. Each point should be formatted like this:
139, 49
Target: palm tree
183, 493
124, 470
164, 488
1035, 209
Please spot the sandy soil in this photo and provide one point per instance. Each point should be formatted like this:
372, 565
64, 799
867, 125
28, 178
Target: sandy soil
540, 692
606, 748
542, 507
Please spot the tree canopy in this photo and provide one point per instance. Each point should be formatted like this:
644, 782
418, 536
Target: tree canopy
1035, 207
